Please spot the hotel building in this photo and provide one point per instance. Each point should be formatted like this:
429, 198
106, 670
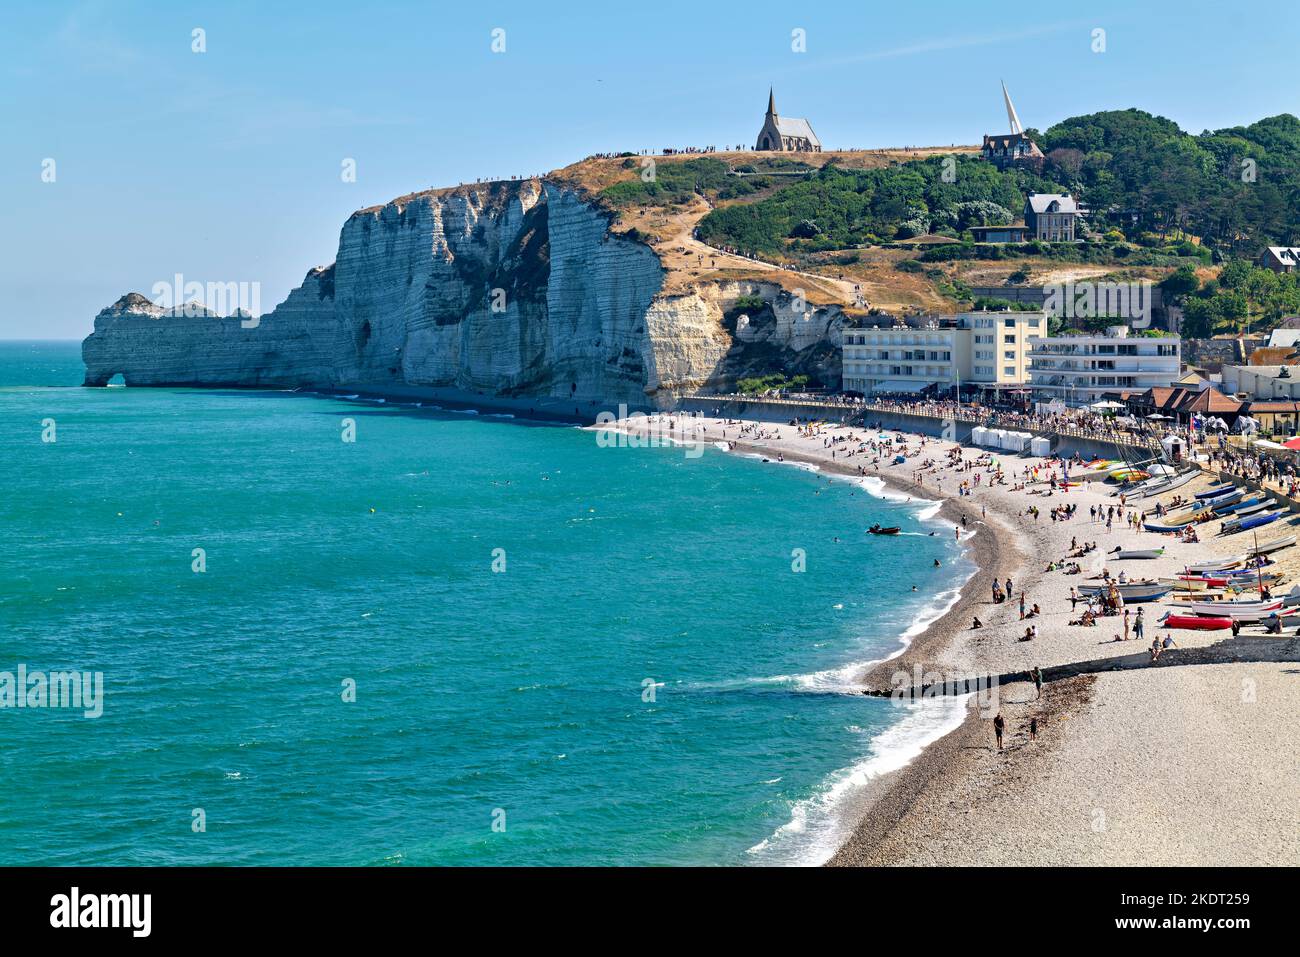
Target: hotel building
1079, 370
976, 348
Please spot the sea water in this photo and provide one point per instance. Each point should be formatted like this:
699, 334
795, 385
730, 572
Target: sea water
454, 640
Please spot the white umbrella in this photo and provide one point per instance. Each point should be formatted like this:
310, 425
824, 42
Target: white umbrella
1157, 416
1107, 405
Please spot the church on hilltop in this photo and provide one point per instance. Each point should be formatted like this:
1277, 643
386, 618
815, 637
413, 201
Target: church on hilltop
784, 134
1014, 148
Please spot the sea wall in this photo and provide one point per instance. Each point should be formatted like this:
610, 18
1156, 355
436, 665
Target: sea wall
512, 289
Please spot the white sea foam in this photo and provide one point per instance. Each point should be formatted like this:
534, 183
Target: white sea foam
817, 825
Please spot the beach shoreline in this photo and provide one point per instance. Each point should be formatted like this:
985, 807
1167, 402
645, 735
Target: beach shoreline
944, 805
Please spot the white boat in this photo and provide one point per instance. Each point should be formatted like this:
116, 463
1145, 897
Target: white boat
1138, 553
1184, 586
1240, 610
1159, 485
1275, 545
1219, 564
1228, 498
1131, 591
1248, 511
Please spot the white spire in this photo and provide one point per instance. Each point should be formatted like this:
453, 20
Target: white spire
1011, 111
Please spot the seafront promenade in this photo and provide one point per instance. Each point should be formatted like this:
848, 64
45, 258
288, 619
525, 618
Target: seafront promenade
933, 418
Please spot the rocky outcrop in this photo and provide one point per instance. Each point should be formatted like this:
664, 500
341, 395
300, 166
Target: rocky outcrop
515, 289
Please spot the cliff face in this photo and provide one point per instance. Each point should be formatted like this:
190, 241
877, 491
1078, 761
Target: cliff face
512, 289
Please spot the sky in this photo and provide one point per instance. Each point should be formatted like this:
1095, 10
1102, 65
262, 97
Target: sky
226, 165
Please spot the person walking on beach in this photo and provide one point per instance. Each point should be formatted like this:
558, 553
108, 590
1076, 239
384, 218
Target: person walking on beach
1033, 729
998, 725
1138, 625
1008, 587
1022, 606
1126, 624
1037, 677
1074, 598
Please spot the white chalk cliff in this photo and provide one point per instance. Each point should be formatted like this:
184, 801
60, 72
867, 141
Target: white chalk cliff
513, 289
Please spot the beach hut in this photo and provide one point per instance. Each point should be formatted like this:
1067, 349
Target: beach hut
1018, 441
978, 435
997, 437
1040, 446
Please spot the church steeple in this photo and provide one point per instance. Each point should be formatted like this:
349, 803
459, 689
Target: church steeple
771, 103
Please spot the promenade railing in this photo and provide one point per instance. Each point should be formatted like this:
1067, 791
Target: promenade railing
1097, 430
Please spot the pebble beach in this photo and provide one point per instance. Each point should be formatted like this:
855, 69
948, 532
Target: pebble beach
1172, 762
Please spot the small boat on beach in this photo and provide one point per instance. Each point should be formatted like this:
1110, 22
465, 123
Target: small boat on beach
1188, 586
1247, 611
1129, 475
1238, 507
1158, 485
1122, 554
1218, 564
1131, 592
1256, 521
1216, 491
1177, 526
1223, 581
1198, 622
1224, 501
1276, 545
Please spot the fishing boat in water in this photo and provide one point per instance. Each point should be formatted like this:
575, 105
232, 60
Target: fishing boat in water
878, 530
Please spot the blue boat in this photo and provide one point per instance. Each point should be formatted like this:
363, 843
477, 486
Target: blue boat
1255, 521
1223, 501
1177, 526
1216, 491
1238, 506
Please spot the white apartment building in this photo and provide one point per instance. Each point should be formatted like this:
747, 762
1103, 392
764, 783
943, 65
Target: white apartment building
983, 348
1078, 370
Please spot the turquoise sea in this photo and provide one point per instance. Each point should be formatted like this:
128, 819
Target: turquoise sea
646, 682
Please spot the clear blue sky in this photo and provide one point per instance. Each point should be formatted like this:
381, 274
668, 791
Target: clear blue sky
224, 166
